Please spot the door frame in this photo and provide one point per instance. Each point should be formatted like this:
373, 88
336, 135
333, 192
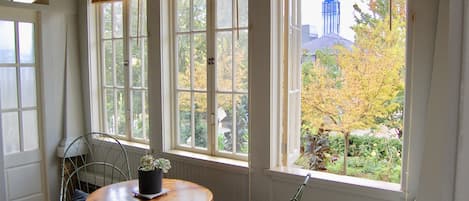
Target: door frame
2, 173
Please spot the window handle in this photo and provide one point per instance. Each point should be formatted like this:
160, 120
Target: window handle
211, 60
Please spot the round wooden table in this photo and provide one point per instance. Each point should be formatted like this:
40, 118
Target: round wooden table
177, 190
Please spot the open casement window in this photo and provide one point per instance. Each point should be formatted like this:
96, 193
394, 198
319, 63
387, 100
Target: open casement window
210, 80
351, 83
291, 85
123, 67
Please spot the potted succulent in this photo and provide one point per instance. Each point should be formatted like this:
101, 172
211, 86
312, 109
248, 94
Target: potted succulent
150, 174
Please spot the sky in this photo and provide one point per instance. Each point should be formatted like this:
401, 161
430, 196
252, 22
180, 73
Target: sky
311, 14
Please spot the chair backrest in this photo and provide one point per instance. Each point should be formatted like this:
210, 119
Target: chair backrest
299, 192
91, 161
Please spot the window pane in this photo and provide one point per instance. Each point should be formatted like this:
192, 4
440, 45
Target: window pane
136, 62
110, 111
242, 124
106, 15
26, 35
182, 15
241, 61
138, 17
199, 18
28, 87
184, 114
200, 118
119, 53
137, 115
200, 61
7, 44
8, 88
243, 13
11, 133
224, 13
143, 22
145, 62
134, 17
117, 19
121, 126
225, 122
30, 134
183, 61
224, 60
108, 63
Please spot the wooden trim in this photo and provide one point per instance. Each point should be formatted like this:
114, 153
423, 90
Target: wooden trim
45, 2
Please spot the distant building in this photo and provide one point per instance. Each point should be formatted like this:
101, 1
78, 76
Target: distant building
331, 32
307, 35
331, 16
325, 42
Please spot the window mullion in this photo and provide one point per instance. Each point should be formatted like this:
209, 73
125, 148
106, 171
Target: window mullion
285, 40
175, 116
114, 77
100, 51
18, 87
211, 77
144, 86
191, 75
127, 90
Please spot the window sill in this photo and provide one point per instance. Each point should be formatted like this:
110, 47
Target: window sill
327, 181
134, 147
237, 166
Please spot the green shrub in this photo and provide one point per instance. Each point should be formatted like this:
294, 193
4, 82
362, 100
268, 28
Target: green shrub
367, 146
369, 157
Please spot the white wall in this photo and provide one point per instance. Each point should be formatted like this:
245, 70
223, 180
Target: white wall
462, 173
54, 20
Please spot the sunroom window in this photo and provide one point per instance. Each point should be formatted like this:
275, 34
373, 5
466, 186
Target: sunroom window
122, 69
210, 77
344, 77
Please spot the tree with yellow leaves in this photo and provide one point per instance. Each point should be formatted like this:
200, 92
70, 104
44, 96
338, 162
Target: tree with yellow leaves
363, 85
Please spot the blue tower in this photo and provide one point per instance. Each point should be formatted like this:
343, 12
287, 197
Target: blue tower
331, 16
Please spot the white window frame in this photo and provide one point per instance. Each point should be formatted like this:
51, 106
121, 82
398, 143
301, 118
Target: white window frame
212, 92
98, 76
283, 144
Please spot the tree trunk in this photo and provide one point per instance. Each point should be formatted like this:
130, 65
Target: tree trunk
346, 137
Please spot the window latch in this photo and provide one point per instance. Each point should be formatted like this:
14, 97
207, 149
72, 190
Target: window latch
212, 119
211, 60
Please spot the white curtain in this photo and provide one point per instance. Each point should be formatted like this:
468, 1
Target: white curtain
437, 175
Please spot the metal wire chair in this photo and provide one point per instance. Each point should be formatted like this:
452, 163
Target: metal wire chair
299, 192
91, 161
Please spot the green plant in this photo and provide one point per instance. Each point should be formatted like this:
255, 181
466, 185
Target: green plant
369, 157
149, 163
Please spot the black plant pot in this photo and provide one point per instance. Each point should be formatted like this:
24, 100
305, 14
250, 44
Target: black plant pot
149, 182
